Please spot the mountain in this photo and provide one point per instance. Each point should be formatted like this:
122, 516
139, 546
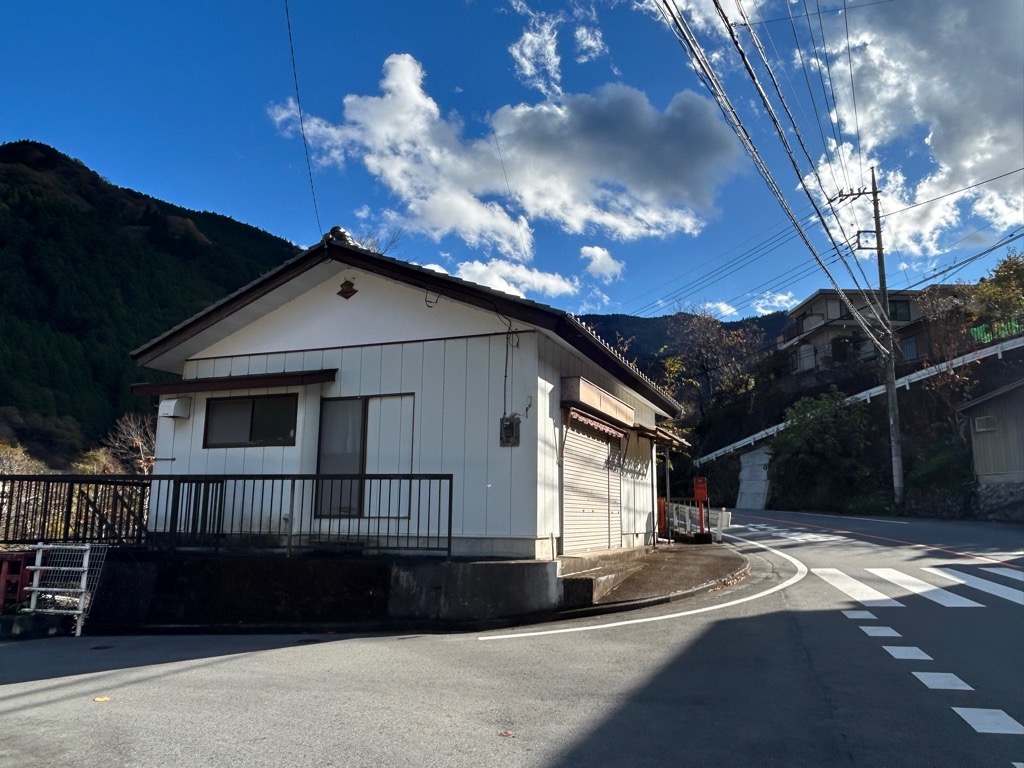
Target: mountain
650, 339
89, 271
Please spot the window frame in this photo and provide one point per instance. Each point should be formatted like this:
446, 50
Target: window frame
901, 303
285, 441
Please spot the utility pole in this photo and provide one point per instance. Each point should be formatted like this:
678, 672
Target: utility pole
895, 441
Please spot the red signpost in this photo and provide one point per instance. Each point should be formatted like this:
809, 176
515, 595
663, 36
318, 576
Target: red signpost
700, 495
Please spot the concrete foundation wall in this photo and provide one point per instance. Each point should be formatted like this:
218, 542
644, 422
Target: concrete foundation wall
145, 589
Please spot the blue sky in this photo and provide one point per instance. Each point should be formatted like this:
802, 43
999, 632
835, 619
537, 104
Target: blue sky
565, 151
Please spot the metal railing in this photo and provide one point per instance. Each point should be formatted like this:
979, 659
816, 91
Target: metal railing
685, 517
73, 509
371, 513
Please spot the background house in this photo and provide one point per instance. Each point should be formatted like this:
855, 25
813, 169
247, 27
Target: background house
997, 444
824, 335
345, 362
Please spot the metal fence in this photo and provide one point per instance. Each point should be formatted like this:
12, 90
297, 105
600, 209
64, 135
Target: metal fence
374, 513
684, 517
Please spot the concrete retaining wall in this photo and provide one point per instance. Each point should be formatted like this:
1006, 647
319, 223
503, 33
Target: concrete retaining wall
144, 589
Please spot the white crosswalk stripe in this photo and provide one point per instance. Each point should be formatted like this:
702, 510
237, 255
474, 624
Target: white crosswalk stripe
983, 585
989, 720
1009, 573
869, 596
862, 593
924, 589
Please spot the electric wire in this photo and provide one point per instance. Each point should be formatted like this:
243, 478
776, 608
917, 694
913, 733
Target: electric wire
853, 92
819, 13
955, 192
302, 126
490, 124
779, 282
766, 102
870, 300
705, 73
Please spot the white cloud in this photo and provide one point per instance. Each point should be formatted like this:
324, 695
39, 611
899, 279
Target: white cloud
934, 120
595, 301
516, 279
720, 308
589, 44
436, 268
773, 302
609, 161
601, 264
535, 53
702, 15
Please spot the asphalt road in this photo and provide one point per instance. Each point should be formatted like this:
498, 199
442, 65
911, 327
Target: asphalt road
800, 664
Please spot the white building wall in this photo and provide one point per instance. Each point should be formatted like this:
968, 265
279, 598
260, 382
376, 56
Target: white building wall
464, 371
458, 387
638, 502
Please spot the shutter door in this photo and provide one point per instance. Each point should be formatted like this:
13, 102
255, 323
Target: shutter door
614, 495
591, 496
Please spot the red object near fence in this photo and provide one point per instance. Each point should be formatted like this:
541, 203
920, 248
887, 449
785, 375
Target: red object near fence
14, 576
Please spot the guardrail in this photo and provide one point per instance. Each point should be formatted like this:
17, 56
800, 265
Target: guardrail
685, 518
375, 513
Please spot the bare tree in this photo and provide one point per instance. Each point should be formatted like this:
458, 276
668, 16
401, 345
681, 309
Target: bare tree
132, 441
14, 460
379, 240
713, 361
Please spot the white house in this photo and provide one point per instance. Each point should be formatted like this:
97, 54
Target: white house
347, 362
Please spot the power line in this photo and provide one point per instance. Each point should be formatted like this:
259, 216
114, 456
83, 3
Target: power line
956, 191
766, 102
302, 127
819, 13
853, 92
880, 314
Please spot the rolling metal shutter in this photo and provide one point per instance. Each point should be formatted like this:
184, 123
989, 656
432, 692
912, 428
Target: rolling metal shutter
592, 492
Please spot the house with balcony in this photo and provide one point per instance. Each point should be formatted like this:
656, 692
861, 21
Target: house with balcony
824, 336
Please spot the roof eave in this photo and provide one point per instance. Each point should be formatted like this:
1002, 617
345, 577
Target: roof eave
558, 322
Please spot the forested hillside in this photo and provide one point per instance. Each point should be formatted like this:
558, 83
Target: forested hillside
89, 271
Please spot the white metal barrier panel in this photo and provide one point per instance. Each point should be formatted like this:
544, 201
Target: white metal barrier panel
64, 579
686, 519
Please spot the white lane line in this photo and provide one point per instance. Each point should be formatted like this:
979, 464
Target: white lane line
942, 681
859, 615
881, 632
862, 593
1009, 573
924, 589
989, 720
907, 652
983, 585
1018, 765
801, 572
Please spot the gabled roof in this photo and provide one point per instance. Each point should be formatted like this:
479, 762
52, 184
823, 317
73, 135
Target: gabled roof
992, 395
194, 334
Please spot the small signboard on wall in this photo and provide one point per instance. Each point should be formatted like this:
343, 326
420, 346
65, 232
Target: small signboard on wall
700, 489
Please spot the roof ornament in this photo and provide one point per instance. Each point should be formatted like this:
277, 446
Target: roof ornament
340, 236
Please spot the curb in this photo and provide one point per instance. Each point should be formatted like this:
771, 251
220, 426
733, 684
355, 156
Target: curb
671, 597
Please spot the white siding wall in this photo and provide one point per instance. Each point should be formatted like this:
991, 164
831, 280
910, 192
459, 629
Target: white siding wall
638, 503
457, 387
